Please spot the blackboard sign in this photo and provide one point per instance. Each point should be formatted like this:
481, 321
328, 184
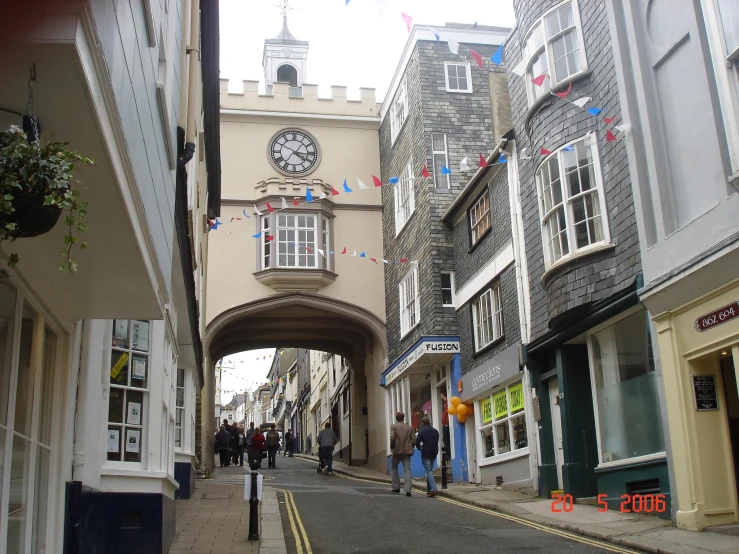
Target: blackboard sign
704, 388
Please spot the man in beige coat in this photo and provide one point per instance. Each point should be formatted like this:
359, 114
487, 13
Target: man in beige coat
401, 444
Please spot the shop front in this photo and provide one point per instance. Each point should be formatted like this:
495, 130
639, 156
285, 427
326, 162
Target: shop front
498, 444
418, 384
601, 431
699, 346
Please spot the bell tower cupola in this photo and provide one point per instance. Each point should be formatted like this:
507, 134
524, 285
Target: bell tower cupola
285, 59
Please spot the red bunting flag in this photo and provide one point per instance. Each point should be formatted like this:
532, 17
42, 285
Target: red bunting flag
235, 219
344, 251
478, 58
538, 81
374, 259
334, 192
425, 172
404, 260
545, 152
270, 238
309, 250
295, 201
610, 137
609, 119
270, 209
376, 181
211, 222
482, 162
565, 92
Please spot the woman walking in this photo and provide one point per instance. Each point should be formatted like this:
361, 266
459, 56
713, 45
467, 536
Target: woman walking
258, 446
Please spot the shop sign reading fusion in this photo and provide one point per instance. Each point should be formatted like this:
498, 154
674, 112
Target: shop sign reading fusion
427, 347
717, 317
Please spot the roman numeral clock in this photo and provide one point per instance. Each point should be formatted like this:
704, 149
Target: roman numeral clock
294, 152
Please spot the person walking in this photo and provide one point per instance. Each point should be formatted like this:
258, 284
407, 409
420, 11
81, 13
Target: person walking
223, 439
258, 446
427, 441
273, 445
327, 440
234, 443
240, 446
288, 443
249, 436
401, 445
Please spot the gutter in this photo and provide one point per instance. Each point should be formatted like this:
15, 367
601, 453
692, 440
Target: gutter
472, 183
209, 37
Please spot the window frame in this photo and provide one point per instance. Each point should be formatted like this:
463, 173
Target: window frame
495, 313
183, 423
124, 426
400, 99
468, 76
477, 236
437, 171
403, 210
534, 92
398, 398
269, 253
566, 201
449, 272
494, 424
410, 277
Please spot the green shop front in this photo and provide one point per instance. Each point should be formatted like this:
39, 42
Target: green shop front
596, 387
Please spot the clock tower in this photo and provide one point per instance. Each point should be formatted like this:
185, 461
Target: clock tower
285, 60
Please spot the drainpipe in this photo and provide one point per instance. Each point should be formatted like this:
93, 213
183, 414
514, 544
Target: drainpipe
351, 406
194, 72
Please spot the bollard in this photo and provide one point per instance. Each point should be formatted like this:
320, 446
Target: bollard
253, 509
443, 468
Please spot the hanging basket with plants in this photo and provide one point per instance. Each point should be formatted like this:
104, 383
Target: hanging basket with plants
36, 187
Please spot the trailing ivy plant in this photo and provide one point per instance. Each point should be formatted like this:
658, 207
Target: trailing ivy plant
46, 169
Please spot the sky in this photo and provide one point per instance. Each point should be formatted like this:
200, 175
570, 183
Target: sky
358, 45
352, 45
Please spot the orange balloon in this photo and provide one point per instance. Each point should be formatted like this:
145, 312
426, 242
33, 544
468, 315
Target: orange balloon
455, 400
461, 410
461, 418
452, 410
470, 407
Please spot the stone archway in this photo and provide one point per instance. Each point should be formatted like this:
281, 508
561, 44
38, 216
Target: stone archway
308, 321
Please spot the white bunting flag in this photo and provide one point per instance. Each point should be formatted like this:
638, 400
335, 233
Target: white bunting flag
284, 203
360, 183
320, 252
519, 69
256, 211
386, 261
463, 165
355, 252
625, 128
523, 154
453, 46
580, 102
323, 195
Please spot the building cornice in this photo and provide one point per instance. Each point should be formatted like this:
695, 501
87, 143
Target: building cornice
299, 115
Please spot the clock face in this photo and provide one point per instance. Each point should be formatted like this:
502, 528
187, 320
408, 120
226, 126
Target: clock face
294, 152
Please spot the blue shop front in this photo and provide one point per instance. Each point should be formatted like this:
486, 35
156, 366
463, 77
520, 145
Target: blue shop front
419, 383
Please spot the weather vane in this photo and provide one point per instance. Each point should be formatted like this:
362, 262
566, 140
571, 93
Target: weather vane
284, 6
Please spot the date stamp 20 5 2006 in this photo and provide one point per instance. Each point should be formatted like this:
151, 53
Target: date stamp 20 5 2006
630, 503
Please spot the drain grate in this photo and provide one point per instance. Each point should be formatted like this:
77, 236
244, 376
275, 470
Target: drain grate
216, 496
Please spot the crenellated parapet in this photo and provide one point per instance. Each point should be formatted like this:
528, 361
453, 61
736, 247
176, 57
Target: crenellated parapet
292, 186
282, 97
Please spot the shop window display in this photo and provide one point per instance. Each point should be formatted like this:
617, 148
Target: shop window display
502, 421
420, 393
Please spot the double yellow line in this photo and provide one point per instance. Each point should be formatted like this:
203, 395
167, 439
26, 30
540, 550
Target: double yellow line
540, 527
296, 524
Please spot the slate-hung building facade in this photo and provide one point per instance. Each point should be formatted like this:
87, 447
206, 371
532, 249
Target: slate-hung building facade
591, 352
438, 110
491, 288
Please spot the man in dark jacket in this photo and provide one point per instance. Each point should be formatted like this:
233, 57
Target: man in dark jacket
288, 443
273, 445
327, 440
223, 441
427, 441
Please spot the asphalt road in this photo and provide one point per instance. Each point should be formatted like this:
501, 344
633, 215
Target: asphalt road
333, 514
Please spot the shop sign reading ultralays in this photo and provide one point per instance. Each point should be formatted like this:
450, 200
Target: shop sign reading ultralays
492, 373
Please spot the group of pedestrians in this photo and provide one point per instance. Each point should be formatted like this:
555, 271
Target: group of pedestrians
403, 440
232, 442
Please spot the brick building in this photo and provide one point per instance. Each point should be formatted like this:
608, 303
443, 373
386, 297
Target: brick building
593, 367
438, 110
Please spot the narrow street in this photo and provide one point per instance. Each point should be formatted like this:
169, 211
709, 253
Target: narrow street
337, 514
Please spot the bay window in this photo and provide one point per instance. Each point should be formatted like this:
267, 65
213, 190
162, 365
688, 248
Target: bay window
129, 372
625, 382
502, 421
487, 317
554, 46
571, 201
298, 240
